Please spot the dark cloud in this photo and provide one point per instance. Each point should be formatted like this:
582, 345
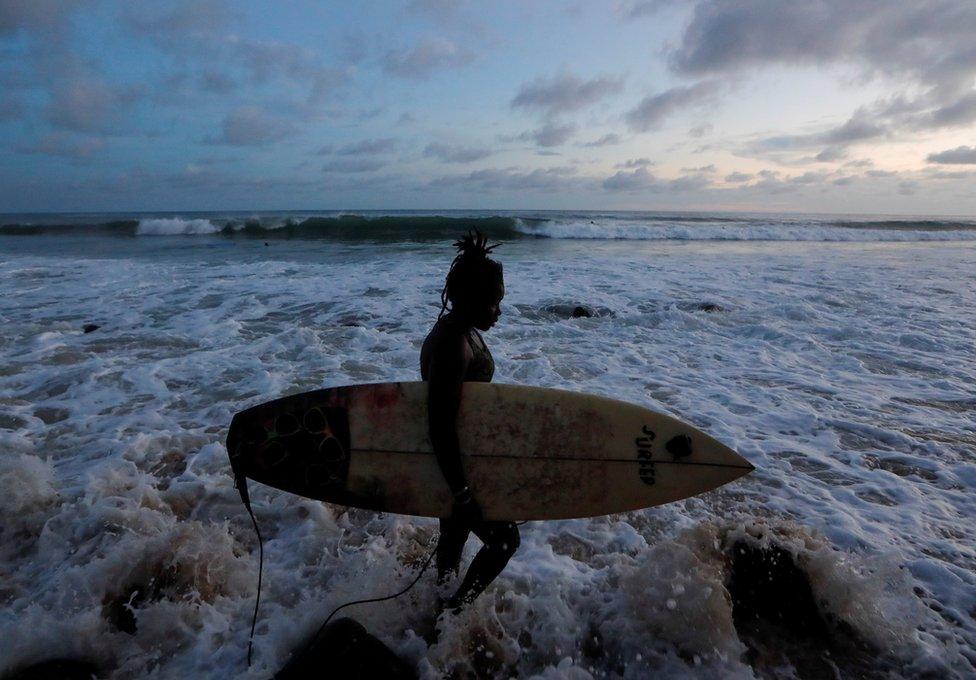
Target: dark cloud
565, 93
369, 147
928, 47
353, 165
605, 140
514, 179
831, 153
635, 163
10, 108
324, 150
652, 110
931, 41
860, 163
634, 180
739, 177
700, 131
430, 55
456, 154
856, 129
961, 155
951, 175
644, 8
908, 187
959, 112
252, 126
42, 18
199, 19
89, 104
701, 168
437, 9
550, 134
63, 144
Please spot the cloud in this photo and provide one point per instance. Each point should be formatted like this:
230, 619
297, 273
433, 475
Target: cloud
635, 163
961, 111
961, 155
65, 145
858, 128
89, 104
932, 42
45, 18
831, 153
437, 9
643, 8
369, 147
701, 168
652, 110
550, 134
353, 165
565, 93
700, 131
430, 55
514, 179
926, 47
605, 140
456, 154
739, 177
10, 108
199, 19
252, 126
634, 180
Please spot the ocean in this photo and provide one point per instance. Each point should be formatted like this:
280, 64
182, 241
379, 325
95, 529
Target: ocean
836, 353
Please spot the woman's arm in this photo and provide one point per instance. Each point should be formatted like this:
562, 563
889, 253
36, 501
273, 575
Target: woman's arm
448, 366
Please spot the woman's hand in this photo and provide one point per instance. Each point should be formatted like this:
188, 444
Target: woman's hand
466, 508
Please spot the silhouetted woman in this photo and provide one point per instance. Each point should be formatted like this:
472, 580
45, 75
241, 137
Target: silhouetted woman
455, 352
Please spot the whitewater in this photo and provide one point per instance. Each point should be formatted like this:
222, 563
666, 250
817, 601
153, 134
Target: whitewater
835, 353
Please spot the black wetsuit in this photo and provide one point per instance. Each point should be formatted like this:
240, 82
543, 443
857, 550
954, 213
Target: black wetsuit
501, 539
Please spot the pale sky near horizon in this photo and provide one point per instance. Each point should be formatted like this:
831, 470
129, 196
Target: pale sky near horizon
774, 105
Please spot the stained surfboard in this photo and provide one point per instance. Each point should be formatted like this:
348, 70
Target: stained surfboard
529, 453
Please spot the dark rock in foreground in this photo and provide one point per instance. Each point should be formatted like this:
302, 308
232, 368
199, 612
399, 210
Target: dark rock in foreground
344, 649
57, 669
89, 327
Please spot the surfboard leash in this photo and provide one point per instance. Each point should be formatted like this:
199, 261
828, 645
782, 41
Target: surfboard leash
240, 482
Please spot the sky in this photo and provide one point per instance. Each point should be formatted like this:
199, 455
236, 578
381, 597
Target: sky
827, 106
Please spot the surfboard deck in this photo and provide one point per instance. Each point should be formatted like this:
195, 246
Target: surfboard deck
529, 453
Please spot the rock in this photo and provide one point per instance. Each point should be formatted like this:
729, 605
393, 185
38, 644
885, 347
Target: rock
710, 307
583, 312
89, 327
344, 649
57, 669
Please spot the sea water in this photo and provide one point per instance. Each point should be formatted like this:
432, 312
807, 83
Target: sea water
835, 353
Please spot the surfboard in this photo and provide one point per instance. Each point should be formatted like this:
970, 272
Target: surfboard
529, 453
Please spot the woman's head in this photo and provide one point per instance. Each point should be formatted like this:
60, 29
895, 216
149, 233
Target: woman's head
475, 285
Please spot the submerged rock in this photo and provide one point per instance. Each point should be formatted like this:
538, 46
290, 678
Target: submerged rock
89, 327
344, 649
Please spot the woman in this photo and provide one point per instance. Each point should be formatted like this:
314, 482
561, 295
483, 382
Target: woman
455, 352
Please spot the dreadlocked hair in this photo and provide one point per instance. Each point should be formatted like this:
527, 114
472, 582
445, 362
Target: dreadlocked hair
472, 273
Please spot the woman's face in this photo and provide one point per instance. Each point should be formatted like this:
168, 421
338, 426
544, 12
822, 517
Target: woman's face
485, 312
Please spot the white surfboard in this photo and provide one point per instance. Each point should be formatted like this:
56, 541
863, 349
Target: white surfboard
529, 453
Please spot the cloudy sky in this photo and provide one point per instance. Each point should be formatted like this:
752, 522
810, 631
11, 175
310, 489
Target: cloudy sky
805, 105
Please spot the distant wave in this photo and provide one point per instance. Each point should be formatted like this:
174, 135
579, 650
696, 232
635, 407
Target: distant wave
569, 225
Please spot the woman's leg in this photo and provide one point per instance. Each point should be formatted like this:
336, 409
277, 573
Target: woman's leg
450, 545
501, 540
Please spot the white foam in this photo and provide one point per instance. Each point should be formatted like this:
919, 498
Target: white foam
175, 226
844, 372
756, 230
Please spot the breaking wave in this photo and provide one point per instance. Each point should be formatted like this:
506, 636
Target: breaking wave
510, 226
